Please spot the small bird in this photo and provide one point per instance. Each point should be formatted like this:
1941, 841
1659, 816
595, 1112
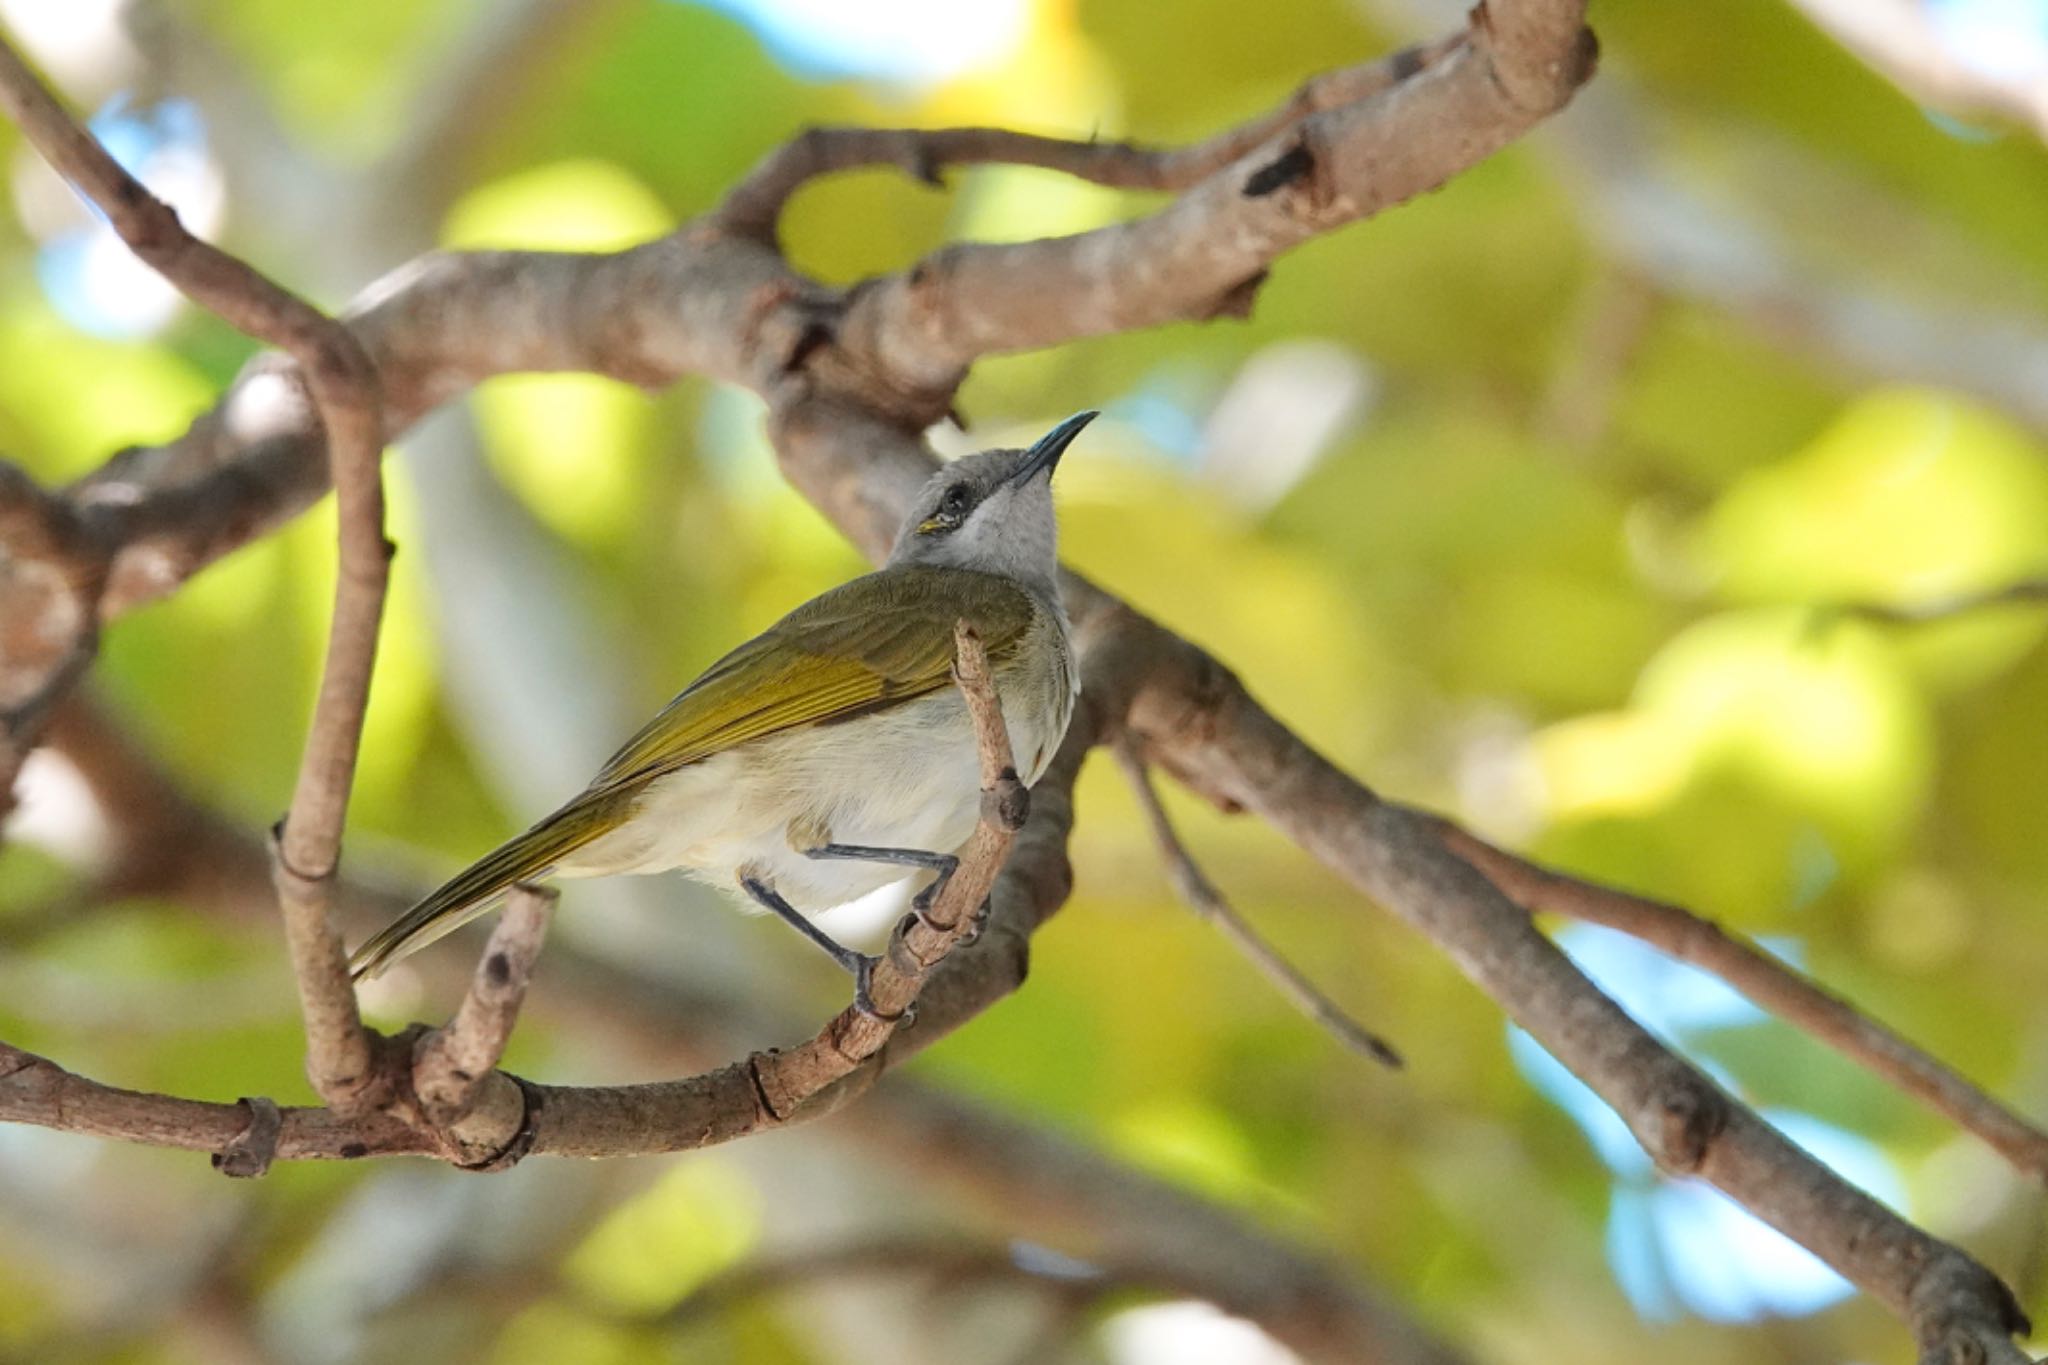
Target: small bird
831, 754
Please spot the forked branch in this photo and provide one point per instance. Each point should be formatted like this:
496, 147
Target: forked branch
344, 392
1773, 985
754, 206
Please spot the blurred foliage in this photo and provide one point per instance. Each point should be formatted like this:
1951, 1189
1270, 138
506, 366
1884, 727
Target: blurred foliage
1567, 564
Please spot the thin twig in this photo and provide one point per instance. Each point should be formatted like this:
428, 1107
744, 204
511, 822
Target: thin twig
343, 385
451, 1062
755, 205
1201, 895
1772, 984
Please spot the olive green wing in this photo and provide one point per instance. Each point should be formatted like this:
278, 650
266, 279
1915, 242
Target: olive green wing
864, 646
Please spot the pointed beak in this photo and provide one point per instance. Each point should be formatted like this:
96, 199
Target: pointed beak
1051, 446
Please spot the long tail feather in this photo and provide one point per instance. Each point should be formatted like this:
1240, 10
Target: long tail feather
483, 884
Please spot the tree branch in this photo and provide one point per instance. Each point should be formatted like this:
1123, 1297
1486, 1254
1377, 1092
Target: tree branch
913, 334
452, 1066
343, 385
765, 1090
1770, 983
845, 374
1037, 1184
709, 301
754, 206
1198, 723
1195, 720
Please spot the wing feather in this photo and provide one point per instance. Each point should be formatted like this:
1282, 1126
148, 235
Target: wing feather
877, 641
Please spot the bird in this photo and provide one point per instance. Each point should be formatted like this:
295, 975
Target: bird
830, 755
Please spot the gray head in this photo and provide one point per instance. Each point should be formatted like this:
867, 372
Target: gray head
992, 511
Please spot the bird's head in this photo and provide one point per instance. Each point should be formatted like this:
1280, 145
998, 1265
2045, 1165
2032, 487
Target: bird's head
992, 511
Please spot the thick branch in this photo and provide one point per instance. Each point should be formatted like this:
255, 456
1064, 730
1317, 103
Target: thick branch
711, 301
1205, 253
1196, 721
1202, 726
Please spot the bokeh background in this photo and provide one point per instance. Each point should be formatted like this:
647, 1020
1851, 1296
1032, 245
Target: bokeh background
1548, 500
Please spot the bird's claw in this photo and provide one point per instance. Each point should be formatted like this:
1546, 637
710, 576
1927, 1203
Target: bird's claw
921, 905
976, 922
863, 1001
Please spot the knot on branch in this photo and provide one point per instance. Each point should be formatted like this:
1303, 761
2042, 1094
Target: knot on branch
516, 1148
1294, 164
1684, 1116
1961, 1312
1302, 182
249, 1153
297, 880
902, 955
1536, 67
1007, 804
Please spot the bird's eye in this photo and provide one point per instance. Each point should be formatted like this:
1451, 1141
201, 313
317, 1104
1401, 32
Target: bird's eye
954, 505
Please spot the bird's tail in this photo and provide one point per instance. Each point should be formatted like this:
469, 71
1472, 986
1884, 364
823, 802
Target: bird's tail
479, 887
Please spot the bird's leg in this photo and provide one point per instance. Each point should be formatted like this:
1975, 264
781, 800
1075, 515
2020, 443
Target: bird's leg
861, 965
945, 864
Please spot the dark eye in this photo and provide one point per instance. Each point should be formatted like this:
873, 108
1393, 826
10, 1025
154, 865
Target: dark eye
954, 505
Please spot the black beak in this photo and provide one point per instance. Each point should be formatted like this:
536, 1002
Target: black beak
1051, 446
